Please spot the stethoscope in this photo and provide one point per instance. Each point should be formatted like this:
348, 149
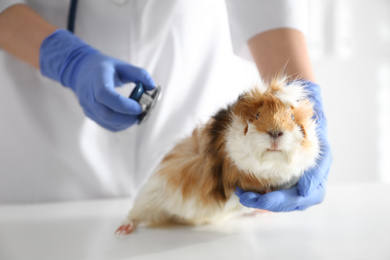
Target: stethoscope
147, 99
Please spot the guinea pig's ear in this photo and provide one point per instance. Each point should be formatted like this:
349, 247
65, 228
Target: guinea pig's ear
303, 112
289, 94
248, 102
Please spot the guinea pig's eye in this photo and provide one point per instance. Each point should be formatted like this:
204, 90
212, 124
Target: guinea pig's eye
257, 116
292, 117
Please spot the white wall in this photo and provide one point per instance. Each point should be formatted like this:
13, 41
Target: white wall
349, 42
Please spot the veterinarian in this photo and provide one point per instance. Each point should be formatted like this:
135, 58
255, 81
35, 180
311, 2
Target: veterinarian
67, 133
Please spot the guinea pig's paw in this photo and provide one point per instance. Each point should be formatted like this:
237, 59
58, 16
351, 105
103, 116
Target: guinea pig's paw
126, 228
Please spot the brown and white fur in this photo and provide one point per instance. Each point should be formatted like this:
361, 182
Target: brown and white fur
262, 142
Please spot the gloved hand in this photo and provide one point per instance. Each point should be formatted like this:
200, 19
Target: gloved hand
93, 76
311, 187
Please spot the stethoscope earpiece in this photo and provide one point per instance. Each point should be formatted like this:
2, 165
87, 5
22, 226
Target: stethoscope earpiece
147, 100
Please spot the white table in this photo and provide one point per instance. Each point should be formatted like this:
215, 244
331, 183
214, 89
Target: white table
352, 223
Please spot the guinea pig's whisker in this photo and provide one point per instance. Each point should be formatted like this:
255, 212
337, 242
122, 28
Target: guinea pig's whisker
219, 132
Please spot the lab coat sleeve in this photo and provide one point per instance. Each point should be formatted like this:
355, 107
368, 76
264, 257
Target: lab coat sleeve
4, 4
248, 18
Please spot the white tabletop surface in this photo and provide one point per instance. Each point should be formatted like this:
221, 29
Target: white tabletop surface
352, 223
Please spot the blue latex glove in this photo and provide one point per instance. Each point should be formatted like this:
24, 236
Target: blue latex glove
311, 187
93, 76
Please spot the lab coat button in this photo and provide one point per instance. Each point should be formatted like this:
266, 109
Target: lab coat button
120, 2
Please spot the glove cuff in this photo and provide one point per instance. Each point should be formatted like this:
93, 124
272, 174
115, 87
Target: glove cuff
58, 52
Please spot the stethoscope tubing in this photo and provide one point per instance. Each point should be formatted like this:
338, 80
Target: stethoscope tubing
72, 15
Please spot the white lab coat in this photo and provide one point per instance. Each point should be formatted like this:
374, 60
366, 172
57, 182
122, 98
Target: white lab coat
50, 151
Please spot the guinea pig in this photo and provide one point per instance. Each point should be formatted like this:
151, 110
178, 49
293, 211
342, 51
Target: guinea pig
262, 142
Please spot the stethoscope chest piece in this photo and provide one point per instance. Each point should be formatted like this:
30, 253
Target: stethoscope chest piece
147, 100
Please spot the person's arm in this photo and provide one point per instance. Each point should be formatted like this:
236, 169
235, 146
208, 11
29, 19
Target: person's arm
22, 32
281, 52
65, 58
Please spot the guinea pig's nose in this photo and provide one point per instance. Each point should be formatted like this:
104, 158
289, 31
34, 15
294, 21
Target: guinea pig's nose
275, 134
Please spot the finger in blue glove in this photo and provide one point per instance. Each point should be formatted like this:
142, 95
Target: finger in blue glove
281, 200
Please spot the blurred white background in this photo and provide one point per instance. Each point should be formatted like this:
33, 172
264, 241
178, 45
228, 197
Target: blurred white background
349, 42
